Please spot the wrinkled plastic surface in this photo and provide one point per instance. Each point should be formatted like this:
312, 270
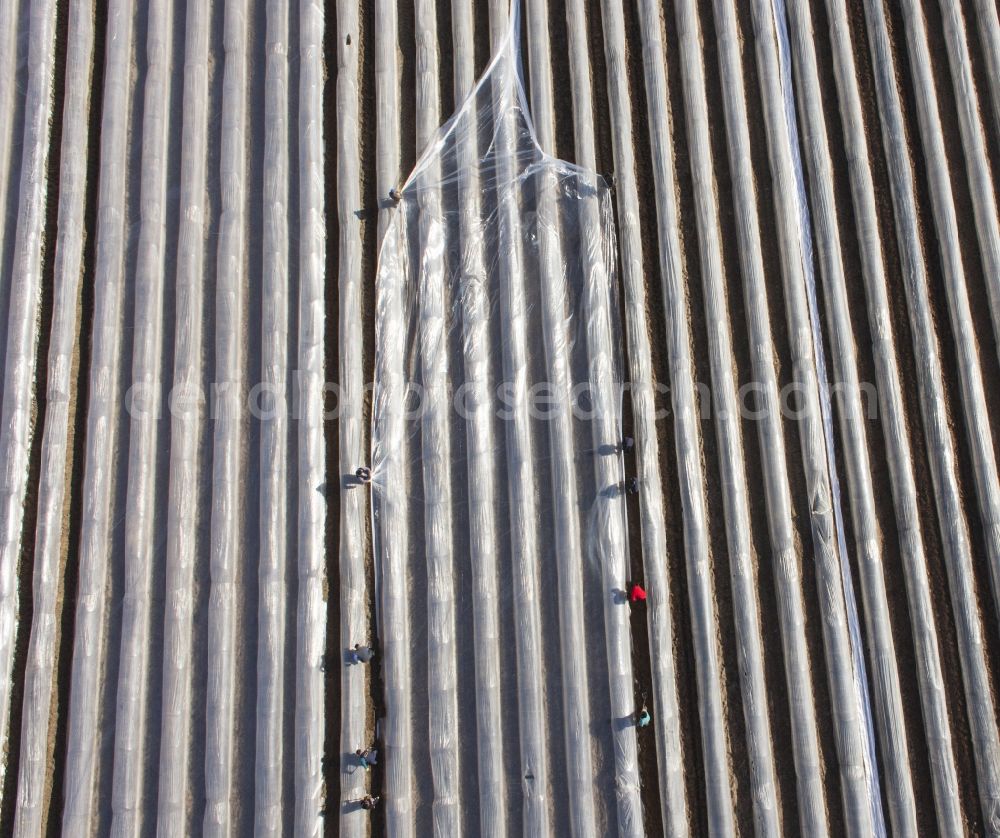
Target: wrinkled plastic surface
496, 423
869, 760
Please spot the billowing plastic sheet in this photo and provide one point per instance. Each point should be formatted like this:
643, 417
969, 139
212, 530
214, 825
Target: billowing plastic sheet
497, 456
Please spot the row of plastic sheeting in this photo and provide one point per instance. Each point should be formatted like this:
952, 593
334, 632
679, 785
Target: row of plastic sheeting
496, 453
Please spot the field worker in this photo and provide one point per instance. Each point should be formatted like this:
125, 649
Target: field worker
636, 593
627, 445
368, 802
367, 758
643, 719
364, 474
632, 485
362, 654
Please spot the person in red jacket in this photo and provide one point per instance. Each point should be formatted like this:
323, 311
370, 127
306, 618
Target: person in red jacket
636, 593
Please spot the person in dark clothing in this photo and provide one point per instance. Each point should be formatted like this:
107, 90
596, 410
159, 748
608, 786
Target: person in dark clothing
368, 802
364, 474
361, 654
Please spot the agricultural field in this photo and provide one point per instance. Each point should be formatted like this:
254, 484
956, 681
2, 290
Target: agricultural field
436, 327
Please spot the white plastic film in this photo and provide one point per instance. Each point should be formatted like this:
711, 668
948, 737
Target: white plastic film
496, 443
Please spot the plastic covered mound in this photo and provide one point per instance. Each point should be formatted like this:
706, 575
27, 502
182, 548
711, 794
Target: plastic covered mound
497, 470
